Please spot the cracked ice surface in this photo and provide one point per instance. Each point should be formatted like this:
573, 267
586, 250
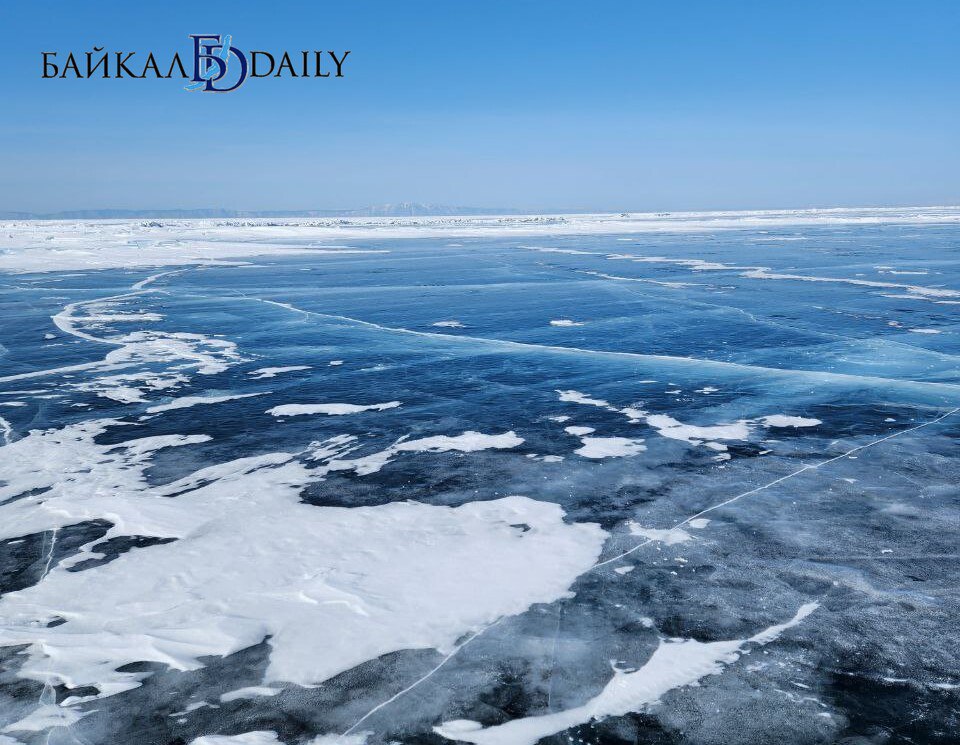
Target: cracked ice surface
683, 478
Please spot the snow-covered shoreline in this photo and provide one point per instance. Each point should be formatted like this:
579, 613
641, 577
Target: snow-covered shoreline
71, 245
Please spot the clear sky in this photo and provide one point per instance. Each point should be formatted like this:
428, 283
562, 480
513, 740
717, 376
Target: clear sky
541, 105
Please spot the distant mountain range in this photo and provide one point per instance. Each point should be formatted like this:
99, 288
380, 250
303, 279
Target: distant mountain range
401, 209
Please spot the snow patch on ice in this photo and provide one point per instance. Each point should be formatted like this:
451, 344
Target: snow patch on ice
673, 429
667, 536
251, 561
674, 664
272, 372
356, 739
781, 420
257, 737
710, 436
186, 402
44, 717
582, 398
329, 409
248, 692
467, 442
609, 447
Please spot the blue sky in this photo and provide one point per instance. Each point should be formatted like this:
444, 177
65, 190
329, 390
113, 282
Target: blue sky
552, 105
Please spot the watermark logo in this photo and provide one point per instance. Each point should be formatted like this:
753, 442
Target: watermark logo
217, 65
211, 62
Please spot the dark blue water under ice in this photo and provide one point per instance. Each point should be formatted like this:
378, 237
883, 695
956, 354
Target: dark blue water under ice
872, 537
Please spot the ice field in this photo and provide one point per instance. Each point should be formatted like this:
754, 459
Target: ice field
685, 478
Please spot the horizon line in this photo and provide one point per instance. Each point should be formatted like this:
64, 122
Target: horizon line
418, 210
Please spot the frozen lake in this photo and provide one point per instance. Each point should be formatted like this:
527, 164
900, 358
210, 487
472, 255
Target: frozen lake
571, 481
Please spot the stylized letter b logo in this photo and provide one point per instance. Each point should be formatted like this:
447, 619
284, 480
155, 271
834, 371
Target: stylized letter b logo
211, 59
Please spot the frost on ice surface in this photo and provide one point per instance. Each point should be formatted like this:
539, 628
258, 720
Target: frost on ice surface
255, 490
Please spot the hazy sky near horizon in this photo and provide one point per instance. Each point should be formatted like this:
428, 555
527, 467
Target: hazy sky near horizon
547, 105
